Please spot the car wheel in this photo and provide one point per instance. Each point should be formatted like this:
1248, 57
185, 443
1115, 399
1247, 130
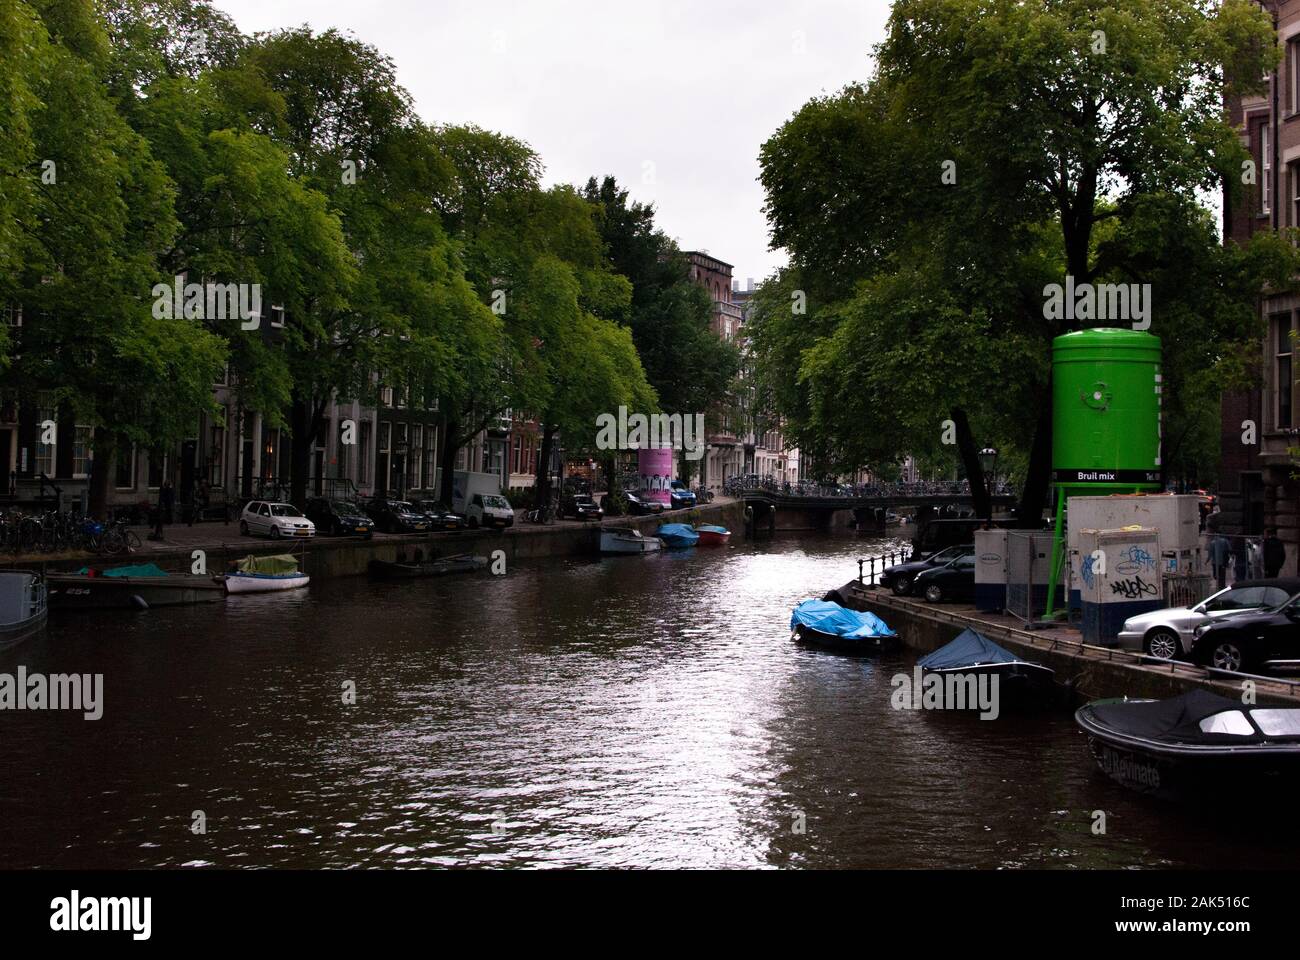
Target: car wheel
934, 593
1164, 644
243, 528
275, 533
901, 586
1227, 655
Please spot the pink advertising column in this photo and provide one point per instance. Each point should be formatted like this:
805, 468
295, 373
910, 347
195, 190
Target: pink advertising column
655, 466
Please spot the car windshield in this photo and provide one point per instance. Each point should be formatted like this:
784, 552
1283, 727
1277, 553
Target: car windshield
284, 510
497, 503
401, 506
948, 554
342, 506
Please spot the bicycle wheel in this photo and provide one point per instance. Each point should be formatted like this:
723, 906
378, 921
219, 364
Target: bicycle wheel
132, 540
113, 543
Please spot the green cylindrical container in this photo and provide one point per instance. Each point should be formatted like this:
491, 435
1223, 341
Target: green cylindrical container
1106, 389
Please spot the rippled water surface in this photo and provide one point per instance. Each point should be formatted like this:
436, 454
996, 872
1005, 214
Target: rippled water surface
631, 711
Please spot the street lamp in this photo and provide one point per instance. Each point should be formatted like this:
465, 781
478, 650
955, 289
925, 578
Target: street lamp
988, 458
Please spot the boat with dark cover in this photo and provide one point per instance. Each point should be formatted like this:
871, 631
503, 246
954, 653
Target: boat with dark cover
822, 623
407, 570
1194, 744
973, 654
676, 536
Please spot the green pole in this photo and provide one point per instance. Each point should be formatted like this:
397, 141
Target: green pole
1058, 552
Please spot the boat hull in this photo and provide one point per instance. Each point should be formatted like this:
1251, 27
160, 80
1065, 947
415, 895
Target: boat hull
264, 583
1021, 685
866, 646
614, 544
386, 570
710, 538
78, 592
12, 634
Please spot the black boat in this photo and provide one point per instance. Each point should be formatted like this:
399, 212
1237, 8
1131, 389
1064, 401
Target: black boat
1195, 744
23, 609
1020, 682
404, 570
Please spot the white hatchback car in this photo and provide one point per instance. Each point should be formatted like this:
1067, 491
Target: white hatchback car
275, 520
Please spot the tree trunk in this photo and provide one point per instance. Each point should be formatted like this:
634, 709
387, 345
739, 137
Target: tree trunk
304, 424
105, 445
450, 447
970, 460
1033, 497
542, 485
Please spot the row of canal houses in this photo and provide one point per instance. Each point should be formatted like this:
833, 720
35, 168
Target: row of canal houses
396, 448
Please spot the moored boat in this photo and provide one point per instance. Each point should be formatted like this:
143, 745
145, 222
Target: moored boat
627, 540
1195, 744
23, 606
266, 574
403, 570
136, 586
713, 536
825, 624
676, 536
972, 654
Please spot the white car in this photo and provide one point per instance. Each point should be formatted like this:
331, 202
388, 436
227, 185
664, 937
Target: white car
275, 520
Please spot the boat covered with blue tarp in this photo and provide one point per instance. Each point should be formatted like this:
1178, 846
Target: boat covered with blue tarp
827, 624
678, 535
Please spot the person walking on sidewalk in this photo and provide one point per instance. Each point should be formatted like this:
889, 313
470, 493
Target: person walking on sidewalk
1219, 558
1274, 553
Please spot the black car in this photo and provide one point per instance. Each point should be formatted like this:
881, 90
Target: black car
1257, 641
638, 505
339, 518
900, 576
581, 507
395, 516
955, 580
439, 517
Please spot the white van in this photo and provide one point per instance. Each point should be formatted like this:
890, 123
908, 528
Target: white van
489, 510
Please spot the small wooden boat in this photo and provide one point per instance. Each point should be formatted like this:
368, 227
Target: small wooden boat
1196, 745
822, 623
269, 574
711, 536
23, 606
404, 570
677, 536
627, 541
131, 587
971, 654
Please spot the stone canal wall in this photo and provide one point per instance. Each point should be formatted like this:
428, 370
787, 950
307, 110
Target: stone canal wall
1090, 673
330, 557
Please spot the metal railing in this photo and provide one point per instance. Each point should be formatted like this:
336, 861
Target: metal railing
867, 566
736, 486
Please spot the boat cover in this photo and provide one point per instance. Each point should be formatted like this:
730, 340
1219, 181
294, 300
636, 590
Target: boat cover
826, 617
130, 570
277, 564
1176, 720
970, 649
678, 531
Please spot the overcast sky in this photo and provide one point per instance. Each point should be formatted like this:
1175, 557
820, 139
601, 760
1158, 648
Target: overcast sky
673, 98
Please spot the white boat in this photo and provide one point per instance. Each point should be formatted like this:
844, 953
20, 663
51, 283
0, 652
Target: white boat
627, 541
256, 574
23, 608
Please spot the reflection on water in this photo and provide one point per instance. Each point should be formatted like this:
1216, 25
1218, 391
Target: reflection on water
633, 711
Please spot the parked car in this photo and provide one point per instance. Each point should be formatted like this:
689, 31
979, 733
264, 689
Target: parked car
580, 506
640, 506
680, 496
395, 516
490, 510
955, 580
1168, 633
339, 518
439, 517
899, 577
1257, 641
275, 520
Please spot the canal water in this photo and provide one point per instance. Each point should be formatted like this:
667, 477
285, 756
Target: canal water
631, 712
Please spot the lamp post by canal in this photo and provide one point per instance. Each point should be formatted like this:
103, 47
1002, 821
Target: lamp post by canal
988, 458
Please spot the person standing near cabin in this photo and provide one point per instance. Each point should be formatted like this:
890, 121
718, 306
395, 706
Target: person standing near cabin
1219, 558
1274, 553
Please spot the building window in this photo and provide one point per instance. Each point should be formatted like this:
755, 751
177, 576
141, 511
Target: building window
1266, 169
277, 317
363, 471
415, 464
124, 478
1293, 61
46, 452
1285, 378
157, 470
431, 460
385, 396
14, 315
519, 451
384, 475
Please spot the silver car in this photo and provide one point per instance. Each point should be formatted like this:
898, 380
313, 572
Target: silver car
1168, 633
